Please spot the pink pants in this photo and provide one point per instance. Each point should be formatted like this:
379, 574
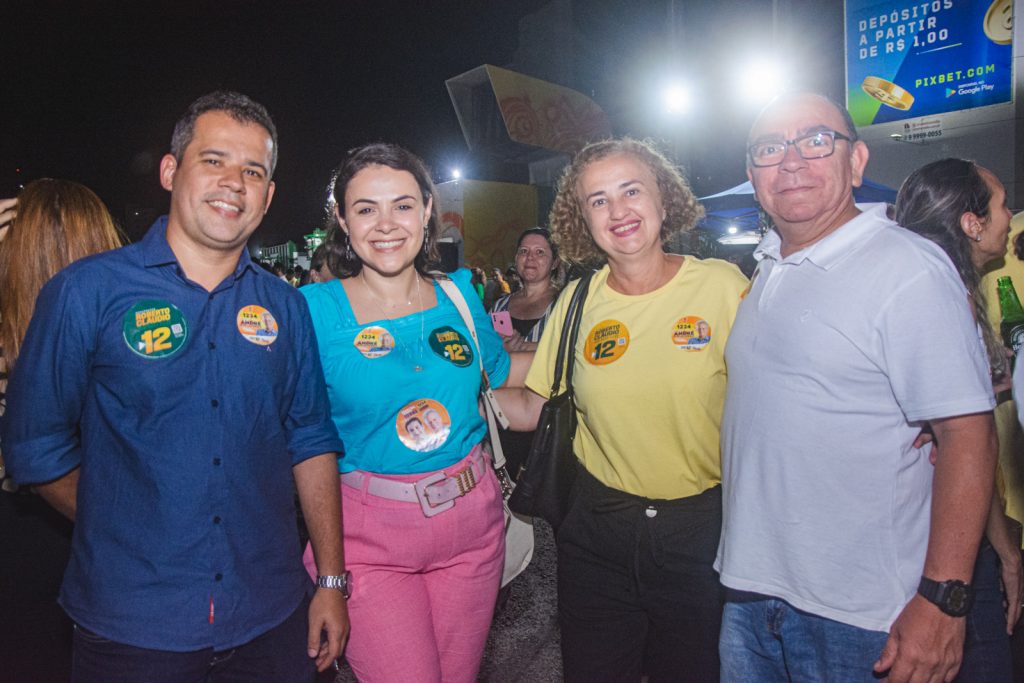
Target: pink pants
423, 589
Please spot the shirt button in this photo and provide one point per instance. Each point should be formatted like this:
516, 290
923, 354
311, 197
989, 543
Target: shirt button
216, 520
216, 461
651, 512
218, 576
212, 345
214, 403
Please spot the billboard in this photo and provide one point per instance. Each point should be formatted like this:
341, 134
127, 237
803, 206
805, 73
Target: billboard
912, 58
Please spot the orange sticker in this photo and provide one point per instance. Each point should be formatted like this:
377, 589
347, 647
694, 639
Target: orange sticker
257, 325
423, 425
606, 342
374, 342
691, 333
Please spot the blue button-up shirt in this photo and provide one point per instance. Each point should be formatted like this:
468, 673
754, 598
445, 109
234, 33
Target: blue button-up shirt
186, 410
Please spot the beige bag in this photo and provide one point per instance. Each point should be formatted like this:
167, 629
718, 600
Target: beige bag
518, 529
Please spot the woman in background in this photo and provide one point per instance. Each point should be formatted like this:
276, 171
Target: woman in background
962, 208
537, 264
49, 225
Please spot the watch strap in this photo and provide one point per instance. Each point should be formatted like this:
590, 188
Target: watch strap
342, 582
953, 597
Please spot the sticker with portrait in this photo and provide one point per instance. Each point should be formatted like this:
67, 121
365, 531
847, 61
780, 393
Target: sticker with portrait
257, 325
423, 425
691, 333
374, 341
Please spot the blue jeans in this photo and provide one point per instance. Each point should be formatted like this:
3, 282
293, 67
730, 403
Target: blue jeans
765, 639
987, 655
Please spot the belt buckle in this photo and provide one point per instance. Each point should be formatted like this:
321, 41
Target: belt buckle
421, 494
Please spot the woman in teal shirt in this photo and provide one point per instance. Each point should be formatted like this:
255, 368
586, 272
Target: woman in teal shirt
422, 508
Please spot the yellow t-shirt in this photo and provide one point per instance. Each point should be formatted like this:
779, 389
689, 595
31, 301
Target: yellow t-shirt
1010, 475
649, 378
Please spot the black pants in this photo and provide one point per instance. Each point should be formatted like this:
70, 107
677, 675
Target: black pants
637, 593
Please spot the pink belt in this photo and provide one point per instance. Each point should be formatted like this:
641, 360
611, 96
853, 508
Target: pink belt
435, 492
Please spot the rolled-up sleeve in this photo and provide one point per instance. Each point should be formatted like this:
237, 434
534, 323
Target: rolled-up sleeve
47, 388
308, 425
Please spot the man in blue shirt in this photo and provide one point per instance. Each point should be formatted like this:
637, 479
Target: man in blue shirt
177, 388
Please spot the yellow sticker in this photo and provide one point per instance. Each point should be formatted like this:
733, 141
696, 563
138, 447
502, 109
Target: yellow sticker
257, 325
423, 425
606, 342
691, 333
374, 341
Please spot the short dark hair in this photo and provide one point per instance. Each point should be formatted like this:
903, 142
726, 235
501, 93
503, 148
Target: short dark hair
341, 260
546, 234
236, 105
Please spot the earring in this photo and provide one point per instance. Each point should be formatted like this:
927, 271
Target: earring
426, 238
977, 238
348, 248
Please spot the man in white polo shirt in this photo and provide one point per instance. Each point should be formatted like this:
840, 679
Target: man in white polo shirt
845, 551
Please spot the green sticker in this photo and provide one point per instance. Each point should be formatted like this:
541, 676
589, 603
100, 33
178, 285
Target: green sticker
452, 346
154, 329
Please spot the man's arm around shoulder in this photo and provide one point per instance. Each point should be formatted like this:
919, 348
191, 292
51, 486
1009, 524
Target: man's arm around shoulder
925, 643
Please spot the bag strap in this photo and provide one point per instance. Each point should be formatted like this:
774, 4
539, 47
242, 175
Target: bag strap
491, 405
570, 332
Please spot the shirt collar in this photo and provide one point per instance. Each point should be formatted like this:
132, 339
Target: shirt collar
157, 252
833, 248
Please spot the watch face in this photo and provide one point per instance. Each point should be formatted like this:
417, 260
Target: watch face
957, 601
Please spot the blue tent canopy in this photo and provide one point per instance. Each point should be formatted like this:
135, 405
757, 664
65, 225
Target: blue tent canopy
736, 207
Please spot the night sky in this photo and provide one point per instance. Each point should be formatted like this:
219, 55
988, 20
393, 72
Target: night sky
91, 90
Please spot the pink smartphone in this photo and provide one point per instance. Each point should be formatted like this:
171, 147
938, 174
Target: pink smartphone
502, 321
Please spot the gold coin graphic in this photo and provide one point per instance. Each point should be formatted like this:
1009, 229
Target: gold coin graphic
887, 93
999, 22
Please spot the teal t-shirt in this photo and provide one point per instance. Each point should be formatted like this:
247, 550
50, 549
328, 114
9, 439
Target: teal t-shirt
404, 391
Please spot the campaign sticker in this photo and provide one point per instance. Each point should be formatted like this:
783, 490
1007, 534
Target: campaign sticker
423, 425
374, 341
257, 325
691, 333
452, 346
606, 342
154, 329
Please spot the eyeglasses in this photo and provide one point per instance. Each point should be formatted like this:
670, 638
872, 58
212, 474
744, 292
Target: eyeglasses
813, 146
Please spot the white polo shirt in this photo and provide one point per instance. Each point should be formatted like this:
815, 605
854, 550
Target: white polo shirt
838, 354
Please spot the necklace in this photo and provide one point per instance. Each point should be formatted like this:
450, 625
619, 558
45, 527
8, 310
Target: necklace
407, 354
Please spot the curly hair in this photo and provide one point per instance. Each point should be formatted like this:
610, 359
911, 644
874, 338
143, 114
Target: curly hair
341, 260
568, 221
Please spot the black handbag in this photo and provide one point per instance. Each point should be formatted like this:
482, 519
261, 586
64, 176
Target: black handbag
545, 479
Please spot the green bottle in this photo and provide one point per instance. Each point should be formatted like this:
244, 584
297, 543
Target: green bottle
1012, 324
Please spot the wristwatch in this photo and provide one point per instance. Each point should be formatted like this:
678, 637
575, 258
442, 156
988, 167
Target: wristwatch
342, 583
953, 597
